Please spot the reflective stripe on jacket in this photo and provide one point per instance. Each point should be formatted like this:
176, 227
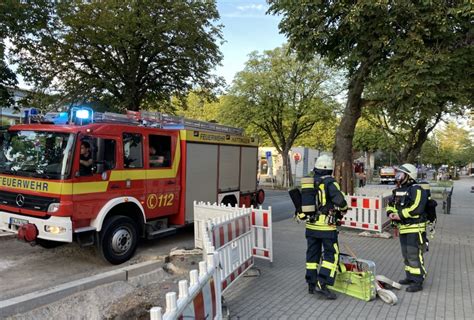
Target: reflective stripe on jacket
329, 197
410, 204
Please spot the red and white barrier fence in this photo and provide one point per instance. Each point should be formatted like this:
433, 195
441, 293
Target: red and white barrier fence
231, 236
201, 299
205, 211
262, 233
261, 227
368, 213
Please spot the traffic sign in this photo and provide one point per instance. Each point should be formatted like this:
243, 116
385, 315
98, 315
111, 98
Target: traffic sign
297, 156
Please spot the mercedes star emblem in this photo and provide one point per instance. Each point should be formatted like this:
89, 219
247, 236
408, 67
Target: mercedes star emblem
20, 200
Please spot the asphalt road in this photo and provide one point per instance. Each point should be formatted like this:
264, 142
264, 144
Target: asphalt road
279, 200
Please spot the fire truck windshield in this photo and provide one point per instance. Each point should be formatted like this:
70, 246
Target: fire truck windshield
38, 154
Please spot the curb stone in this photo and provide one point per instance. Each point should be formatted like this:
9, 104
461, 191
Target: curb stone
33, 300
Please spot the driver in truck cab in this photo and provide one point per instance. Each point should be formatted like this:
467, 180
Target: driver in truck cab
85, 159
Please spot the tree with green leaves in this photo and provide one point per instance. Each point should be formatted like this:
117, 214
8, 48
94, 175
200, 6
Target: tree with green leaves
363, 37
7, 78
321, 136
450, 145
279, 97
18, 19
126, 54
197, 106
369, 139
430, 78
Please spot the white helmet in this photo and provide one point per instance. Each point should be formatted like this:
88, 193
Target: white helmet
409, 169
324, 162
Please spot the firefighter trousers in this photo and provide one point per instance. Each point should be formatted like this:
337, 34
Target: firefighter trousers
413, 247
325, 247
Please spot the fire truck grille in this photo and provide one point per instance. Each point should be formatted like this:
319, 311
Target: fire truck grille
26, 201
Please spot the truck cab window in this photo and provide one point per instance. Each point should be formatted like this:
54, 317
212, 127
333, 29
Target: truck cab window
96, 155
132, 150
36, 154
85, 158
109, 154
159, 151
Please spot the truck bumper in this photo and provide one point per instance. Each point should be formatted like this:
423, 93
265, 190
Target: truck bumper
60, 228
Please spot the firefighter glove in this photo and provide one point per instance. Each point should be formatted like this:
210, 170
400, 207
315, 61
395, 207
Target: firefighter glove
394, 216
391, 210
299, 216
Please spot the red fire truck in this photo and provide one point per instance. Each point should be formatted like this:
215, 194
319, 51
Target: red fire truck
108, 179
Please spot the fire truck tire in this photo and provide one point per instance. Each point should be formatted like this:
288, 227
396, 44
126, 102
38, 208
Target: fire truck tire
260, 196
229, 200
49, 244
118, 239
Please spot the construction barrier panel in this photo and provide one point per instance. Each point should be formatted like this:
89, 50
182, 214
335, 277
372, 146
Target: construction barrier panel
205, 211
261, 225
367, 213
262, 233
201, 299
231, 237
237, 235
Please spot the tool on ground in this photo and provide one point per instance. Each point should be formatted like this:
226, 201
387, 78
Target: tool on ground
357, 278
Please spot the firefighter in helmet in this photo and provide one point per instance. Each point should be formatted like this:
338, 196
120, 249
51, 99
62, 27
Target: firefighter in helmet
407, 210
322, 254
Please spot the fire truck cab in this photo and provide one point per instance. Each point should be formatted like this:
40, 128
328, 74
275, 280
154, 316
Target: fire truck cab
107, 179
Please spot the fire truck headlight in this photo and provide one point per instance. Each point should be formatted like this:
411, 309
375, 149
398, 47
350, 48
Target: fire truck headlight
53, 207
54, 229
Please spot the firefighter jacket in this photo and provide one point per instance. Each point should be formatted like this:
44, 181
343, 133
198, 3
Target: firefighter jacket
409, 203
328, 198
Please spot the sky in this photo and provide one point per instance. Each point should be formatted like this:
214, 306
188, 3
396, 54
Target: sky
246, 28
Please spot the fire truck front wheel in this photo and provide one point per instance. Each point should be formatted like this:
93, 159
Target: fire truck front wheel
118, 239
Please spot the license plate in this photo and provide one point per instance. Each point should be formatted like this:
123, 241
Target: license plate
18, 222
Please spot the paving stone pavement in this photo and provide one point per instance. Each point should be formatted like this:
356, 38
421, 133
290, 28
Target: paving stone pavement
280, 292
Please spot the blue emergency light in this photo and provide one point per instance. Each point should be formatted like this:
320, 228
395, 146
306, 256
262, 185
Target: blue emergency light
57, 117
28, 113
81, 115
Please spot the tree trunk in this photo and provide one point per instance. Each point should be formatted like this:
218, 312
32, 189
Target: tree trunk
416, 149
418, 135
287, 176
343, 170
368, 170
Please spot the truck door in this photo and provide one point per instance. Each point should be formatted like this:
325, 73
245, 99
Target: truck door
93, 164
162, 178
132, 179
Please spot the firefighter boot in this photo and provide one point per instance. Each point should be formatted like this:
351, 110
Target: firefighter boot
323, 290
311, 288
414, 287
405, 281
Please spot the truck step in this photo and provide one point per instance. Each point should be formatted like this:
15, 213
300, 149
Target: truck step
161, 233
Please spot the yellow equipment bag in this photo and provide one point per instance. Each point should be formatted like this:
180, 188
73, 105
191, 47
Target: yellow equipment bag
356, 278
